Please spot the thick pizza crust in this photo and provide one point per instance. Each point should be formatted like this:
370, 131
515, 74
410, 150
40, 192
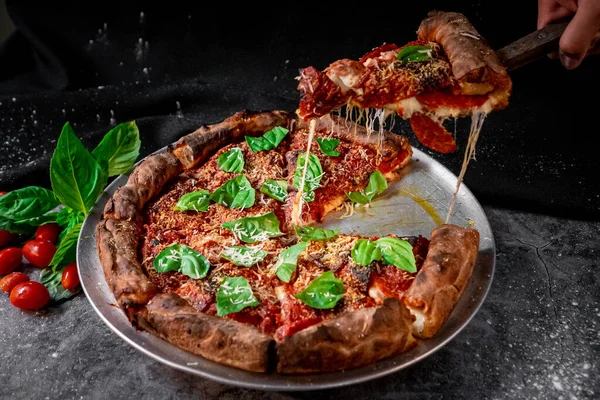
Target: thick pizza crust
443, 277
353, 339
221, 340
199, 145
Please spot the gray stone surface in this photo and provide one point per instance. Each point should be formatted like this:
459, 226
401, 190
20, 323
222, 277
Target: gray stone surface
535, 337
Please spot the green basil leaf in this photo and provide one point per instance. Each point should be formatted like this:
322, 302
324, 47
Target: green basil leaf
323, 292
234, 295
255, 229
27, 202
358, 197
119, 148
244, 256
77, 178
11, 226
41, 220
268, 141
232, 161
67, 247
287, 261
328, 146
275, 189
307, 233
52, 279
67, 214
181, 258
397, 252
377, 184
195, 201
365, 251
415, 54
314, 173
235, 193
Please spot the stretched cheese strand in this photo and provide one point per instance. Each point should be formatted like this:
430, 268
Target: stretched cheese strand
297, 209
476, 124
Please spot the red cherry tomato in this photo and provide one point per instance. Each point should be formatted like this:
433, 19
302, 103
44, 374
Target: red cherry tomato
39, 252
10, 259
29, 295
8, 282
48, 232
5, 237
2, 193
70, 277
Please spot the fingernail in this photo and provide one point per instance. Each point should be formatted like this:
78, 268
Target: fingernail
569, 61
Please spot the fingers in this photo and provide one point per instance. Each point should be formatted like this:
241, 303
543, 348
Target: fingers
580, 34
554, 10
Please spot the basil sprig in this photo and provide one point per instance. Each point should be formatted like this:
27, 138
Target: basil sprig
415, 54
268, 141
307, 233
24, 208
243, 256
235, 193
231, 161
181, 258
377, 185
234, 295
328, 146
314, 173
287, 261
255, 229
275, 189
323, 292
393, 251
119, 148
195, 201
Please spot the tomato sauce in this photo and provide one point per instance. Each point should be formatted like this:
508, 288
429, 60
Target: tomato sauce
448, 99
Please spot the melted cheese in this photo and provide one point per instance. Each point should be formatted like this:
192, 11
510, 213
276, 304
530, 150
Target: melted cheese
296, 214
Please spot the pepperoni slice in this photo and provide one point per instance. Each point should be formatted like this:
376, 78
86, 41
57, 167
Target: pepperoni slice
432, 134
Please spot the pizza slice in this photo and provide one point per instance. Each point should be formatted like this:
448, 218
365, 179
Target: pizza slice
450, 70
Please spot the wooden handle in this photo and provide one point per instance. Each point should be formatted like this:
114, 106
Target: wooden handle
531, 47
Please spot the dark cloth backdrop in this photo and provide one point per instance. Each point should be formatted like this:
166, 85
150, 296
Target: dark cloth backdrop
174, 66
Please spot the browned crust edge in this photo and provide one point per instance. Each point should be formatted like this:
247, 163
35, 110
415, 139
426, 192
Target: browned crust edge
354, 339
443, 277
221, 340
197, 146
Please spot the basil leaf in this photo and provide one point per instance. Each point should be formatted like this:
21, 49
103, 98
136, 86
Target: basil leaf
312, 233
232, 161
328, 146
377, 184
67, 248
314, 173
53, 282
255, 229
77, 178
365, 251
234, 295
275, 189
195, 201
287, 261
28, 202
244, 256
119, 148
41, 220
235, 193
67, 214
415, 54
268, 141
323, 292
181, 258
11, 226
397, 252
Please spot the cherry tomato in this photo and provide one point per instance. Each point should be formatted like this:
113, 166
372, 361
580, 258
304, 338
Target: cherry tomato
39, 252
70, 277
10, 259
2, 193
5, 237
29, 295
8, 282
48, 232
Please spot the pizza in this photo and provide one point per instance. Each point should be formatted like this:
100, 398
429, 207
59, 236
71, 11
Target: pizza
214, 246
449, 71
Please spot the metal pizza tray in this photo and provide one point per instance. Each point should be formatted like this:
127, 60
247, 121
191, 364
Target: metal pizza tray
414, 205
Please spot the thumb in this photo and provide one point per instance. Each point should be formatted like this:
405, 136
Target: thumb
579, 34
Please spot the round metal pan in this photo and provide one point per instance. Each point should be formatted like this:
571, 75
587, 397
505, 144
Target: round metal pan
414, 205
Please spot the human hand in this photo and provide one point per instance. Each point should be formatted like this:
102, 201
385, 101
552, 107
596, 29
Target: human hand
581, 35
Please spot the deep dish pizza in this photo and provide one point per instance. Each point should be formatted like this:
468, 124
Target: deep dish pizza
212, 245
